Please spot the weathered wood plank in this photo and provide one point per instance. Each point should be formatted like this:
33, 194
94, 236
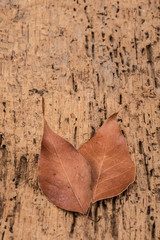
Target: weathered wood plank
89, 59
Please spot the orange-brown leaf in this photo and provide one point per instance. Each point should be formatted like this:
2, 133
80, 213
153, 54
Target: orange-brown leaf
64, 174
112, 167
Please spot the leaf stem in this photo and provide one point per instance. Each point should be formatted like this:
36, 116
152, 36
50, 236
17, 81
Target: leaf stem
43, 106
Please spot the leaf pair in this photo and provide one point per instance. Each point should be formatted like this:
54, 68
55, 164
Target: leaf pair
101, 168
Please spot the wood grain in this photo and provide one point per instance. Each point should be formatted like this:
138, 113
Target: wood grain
89, 60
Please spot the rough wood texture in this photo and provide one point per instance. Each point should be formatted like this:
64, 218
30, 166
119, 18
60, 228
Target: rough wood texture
89, 59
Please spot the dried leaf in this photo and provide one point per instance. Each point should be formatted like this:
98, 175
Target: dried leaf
64, 174
112, 168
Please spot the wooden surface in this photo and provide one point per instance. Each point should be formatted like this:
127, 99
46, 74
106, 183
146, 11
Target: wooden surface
88, 59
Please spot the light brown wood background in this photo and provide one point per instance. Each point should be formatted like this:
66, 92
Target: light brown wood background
88, 59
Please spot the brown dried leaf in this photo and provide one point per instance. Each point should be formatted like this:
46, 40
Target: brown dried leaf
112, 168
64, 174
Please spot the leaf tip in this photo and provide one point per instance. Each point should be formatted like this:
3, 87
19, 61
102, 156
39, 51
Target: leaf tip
113, 116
